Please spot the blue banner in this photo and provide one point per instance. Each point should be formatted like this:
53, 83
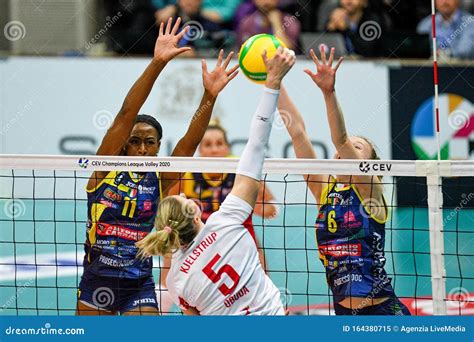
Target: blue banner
248, 329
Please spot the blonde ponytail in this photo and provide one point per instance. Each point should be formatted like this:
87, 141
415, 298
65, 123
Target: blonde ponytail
174, 228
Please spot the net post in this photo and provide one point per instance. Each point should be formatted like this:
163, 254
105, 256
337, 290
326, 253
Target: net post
438, 271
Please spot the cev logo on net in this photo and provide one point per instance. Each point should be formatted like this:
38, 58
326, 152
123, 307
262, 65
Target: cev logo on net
83, 163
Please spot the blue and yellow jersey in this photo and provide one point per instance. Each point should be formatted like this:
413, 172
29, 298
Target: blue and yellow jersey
121, 210
351, 244
210, 193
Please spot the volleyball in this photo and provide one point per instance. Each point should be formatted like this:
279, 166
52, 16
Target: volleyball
250, 56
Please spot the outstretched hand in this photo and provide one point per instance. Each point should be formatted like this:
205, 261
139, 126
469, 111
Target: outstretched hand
325, 76
166, 47
216, 80
278, 66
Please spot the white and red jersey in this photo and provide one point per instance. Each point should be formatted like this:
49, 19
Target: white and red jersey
219, 273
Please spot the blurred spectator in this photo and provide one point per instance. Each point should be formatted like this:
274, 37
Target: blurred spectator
264, 16
135, 32
405, 15
309, 14
454, 29
357, 21
219, 11
204, 34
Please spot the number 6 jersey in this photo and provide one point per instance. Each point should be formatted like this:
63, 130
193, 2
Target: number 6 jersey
351, 243
219, 273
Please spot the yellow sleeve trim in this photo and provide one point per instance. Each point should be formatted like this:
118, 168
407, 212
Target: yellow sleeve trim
158, 175
109, 179
187, 185
214, 183
324, 194
368, 209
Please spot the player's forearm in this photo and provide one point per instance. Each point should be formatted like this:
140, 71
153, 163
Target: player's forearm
249, 169
294, 122
296, 127
336, 120
190, 141
141, 89
251, 161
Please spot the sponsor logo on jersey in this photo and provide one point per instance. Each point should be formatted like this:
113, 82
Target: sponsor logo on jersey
131, 185
116, 263
350, 220
146, 189
109, 204
322, 215
351, 277
342, 250
119, 178
379, 257
112, 195
130, 192
127, 248
119, 231
335, 198
103, 242
349, 217
130, 224
144, 301
147, 205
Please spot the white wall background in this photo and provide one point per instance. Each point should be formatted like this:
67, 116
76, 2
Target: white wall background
45, 99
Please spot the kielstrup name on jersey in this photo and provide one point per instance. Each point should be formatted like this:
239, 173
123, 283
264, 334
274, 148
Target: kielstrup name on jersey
205, 243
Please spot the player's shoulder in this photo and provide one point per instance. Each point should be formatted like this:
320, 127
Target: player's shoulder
188, 176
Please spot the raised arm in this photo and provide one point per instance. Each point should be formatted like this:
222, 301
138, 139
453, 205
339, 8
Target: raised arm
325, 79
301, 141
295, 125
249, 170
214, 82
166, 48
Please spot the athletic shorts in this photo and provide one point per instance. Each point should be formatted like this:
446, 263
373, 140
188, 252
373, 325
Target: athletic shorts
116, 294
391, 307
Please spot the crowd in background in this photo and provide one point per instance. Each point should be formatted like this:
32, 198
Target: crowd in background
370, 28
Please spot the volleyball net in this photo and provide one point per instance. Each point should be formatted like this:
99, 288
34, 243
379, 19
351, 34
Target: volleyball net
429, 243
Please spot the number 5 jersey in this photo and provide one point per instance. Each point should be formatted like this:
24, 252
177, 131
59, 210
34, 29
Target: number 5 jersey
219, 272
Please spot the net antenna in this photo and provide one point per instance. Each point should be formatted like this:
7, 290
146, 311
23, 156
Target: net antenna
435, 71
435, 199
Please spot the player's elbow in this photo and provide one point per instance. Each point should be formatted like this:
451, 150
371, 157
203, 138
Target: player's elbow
340, 141
296, 129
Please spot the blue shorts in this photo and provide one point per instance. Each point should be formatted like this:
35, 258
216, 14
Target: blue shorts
391, 307
116, 294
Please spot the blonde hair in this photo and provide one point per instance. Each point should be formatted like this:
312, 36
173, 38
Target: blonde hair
215, 123
174, 229
374, 155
